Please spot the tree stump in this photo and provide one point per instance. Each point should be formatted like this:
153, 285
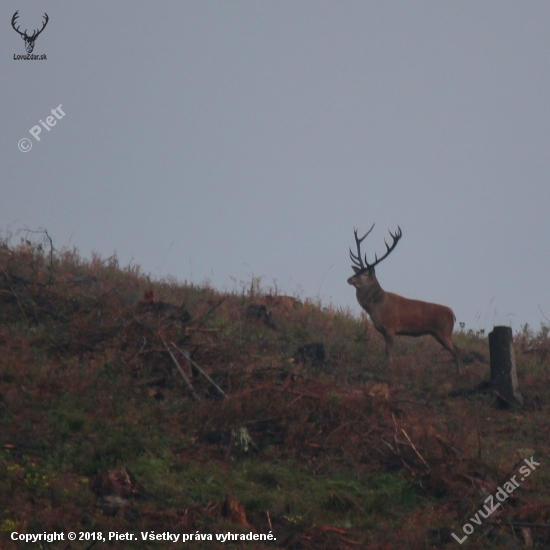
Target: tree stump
504, 379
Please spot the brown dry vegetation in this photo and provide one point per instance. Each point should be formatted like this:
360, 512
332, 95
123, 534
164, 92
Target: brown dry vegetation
98, 431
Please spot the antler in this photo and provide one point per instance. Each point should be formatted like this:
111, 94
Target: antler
13, 19
24, 34
36, 33
356, 258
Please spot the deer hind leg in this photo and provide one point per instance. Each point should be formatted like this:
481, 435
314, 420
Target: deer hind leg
450, 346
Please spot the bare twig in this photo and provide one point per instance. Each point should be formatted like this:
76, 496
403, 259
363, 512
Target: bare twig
427, 405
187, 357
16, 297
211, 310
495, 392
391, 448
139, 352
446, 445
47, 236
294, 401
542, 313
349, 541
271, 419
478, 439
51, 255
522, 524
394, 422
20, 306
407, 466
415, 450
334, 431
188, 330
271, 387
183, 375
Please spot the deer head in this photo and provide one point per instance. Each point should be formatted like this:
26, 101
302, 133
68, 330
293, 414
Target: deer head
29, 40
365, 276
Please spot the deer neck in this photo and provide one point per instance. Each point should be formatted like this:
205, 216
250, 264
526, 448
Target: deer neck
371, 295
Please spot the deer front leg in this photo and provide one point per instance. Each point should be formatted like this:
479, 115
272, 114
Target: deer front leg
389, 349
450, 346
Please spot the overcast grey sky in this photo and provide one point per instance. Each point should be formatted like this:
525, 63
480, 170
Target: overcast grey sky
223, 140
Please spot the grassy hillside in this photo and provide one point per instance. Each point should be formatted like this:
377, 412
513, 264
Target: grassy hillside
319, 445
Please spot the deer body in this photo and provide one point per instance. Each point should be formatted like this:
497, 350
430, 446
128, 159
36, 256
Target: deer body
393, 315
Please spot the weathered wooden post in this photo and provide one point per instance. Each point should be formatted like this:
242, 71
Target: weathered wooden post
503, 365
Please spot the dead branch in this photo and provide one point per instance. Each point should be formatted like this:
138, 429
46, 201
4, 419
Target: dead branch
269, 386
334, 431
445, 444
415, 450
189, 330
211, 310
47, 236
16, 297
419, 404
521, 524
187, 357
183, 375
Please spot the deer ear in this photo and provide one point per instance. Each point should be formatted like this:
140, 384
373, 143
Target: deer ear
356, 269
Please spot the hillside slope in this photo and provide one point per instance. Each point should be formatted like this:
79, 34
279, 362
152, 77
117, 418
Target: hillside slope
301, 433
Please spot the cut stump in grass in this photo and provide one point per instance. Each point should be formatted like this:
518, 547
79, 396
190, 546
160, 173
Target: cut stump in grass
504, 380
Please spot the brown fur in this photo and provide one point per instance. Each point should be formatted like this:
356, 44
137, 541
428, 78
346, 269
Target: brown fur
393, 315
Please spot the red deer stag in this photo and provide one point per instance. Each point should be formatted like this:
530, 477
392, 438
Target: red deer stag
394, 315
